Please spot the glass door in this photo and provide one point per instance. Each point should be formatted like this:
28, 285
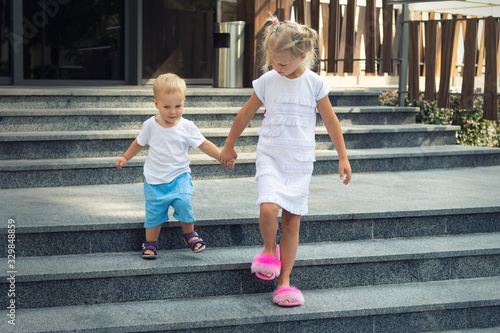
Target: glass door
73, 40
5, 34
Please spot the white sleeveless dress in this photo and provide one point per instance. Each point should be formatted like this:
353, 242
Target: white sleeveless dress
285, 151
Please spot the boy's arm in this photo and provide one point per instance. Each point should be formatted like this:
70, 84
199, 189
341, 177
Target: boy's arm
240, 123
334, 129
210, 149
131, 152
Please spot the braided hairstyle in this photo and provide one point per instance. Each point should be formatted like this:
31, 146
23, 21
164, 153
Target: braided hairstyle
289, 38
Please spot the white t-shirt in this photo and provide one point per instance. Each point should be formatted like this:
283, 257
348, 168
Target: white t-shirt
168, 149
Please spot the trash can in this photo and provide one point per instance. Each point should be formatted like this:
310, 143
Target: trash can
229, 41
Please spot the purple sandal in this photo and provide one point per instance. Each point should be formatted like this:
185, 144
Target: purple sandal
195, 241
150, 246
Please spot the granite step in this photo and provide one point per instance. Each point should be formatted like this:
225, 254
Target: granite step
409, 308
35, 120
384, 205
142, 97
126, 277
72, 236
101, 170
81, 144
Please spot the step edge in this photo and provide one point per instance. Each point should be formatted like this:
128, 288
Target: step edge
247, 158
211, 132
258, 309
405, 249
254, 220
58, 112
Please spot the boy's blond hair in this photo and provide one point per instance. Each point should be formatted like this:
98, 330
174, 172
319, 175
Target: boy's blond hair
169, 83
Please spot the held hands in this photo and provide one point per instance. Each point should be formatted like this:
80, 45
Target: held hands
120, 162
345, 166
228, 156
229, 164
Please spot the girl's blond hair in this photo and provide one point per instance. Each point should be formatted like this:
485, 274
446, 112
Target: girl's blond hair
169, 83
289, 37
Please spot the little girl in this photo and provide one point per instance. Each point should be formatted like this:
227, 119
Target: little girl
291, 92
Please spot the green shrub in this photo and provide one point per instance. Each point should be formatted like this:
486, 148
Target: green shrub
474, 130
388, 98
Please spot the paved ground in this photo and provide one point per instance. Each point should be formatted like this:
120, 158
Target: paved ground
368, 193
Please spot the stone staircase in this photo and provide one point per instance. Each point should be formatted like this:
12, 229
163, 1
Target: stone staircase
408, 246
72, 137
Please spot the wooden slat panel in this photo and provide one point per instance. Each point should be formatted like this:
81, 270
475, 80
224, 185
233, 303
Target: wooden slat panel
498, 51
333, 35
370, 34
350, 18
315, 4
396, 45
439, 45
430, 59
340, 63
388, 36
359, 33
323, 36
490, 111
448, 38
480, 57
300, 11
378, 42
413, 61
470, 52
455, 48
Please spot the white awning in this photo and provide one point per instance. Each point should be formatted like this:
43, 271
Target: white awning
478, 8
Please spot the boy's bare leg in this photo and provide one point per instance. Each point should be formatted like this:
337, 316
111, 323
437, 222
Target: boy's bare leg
152, 236
188, 228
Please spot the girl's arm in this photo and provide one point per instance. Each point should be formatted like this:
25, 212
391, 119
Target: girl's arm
332, 125
240, 123
131, 152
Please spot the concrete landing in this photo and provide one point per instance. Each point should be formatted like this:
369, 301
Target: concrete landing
394, 194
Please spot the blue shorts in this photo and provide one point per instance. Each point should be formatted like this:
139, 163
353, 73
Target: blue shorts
160, 197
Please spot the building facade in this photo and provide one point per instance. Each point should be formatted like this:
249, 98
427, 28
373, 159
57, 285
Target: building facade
112, 42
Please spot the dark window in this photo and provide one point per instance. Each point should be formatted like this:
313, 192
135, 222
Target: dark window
5, 34
73, 39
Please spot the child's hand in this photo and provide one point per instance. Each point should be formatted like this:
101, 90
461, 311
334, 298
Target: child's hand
120, 162
345, 166
229, 164
228, 156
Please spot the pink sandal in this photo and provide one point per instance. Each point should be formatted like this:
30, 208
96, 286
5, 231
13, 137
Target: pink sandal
267, 264
290, 294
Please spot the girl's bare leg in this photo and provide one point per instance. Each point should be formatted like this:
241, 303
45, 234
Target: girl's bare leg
268, 223
290, 225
